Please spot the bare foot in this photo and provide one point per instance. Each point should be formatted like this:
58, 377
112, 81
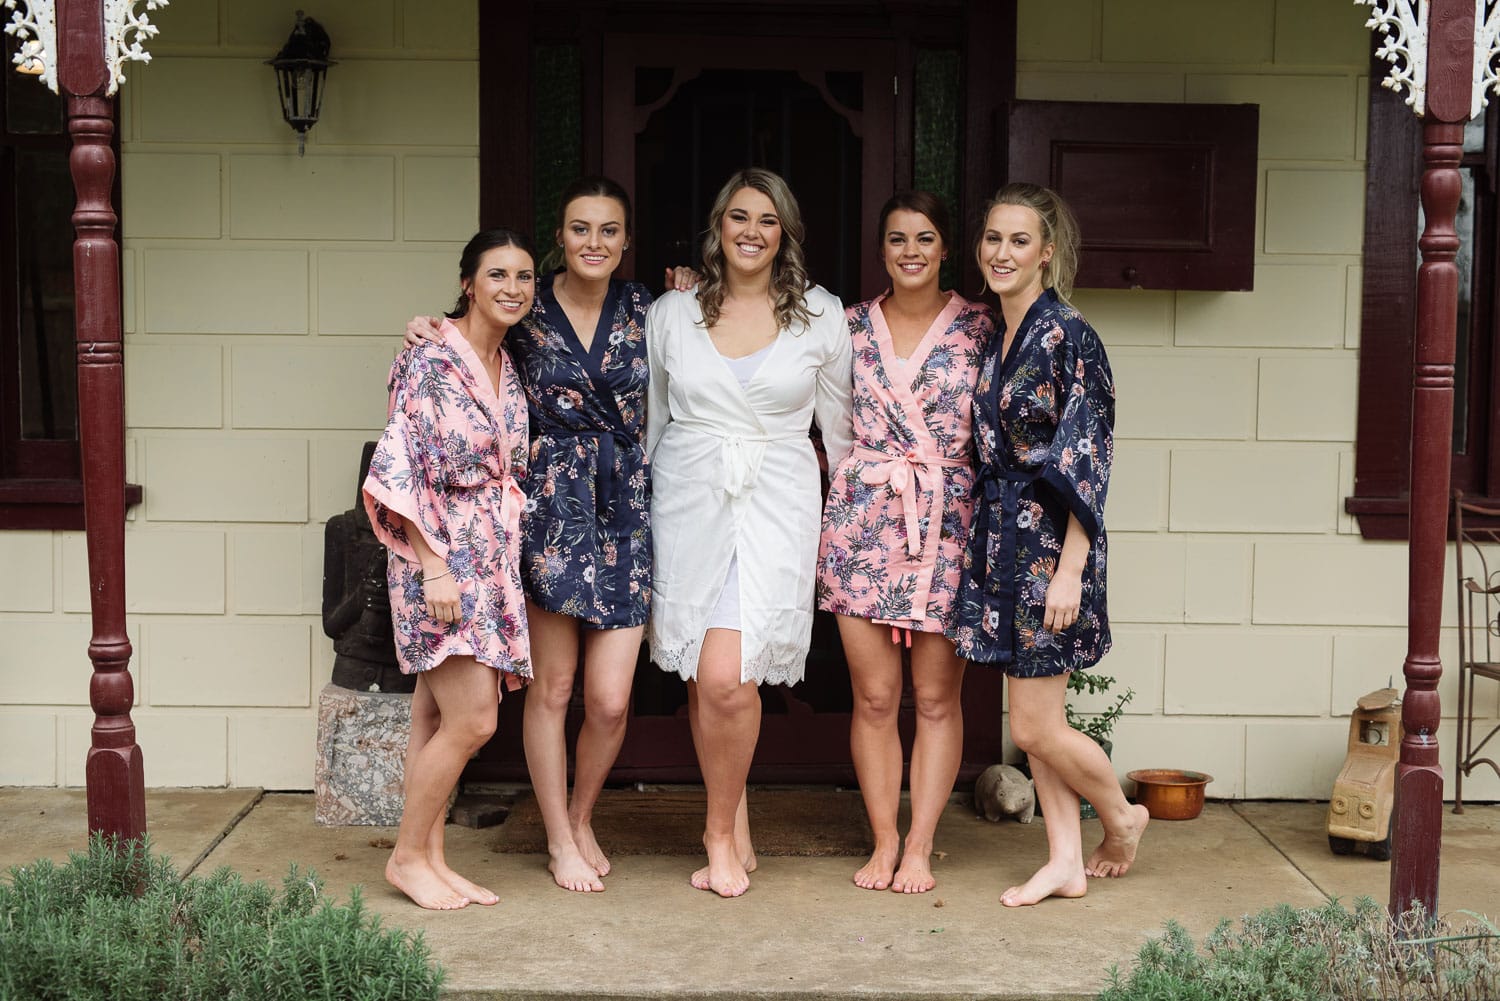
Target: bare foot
746, 851
1117, 851
725, 873
588, 847
876, 873
473, 892
1051, 880
915, 874
572, 872
425, 887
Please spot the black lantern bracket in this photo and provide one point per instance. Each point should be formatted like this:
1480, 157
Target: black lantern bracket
301, 68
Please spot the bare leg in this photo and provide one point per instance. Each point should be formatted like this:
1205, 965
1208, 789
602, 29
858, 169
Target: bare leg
1063, 874
938, 678
554, 662
1040, 728
742, 841
609, 657
424, 723
728, 726
463, 691
874, 743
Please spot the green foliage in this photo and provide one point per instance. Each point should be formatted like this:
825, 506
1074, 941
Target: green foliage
1326, 953
1096, 725
118, 923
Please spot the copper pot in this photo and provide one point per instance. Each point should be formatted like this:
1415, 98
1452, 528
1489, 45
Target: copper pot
1170, 793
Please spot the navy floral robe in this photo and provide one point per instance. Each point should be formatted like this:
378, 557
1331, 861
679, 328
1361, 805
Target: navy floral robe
586, 530
1043, 426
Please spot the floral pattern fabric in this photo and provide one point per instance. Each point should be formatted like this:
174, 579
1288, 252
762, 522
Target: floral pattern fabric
448, 464
1043, 427
587, 526
898, 509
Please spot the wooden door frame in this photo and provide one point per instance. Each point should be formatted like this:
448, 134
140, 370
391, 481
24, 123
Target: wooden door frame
690, 56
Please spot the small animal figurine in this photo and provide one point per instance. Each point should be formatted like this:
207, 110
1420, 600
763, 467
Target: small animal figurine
1002, 791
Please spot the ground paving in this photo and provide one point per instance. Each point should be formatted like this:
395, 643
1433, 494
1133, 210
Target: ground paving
804, 930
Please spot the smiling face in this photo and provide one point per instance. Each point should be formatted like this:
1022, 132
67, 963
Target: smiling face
503, 286
912, 250
593, 236
1011, 253
750, 233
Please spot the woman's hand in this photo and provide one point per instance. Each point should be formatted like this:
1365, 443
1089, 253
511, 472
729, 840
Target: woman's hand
1064, 596
679, 279
423, 328
440, 591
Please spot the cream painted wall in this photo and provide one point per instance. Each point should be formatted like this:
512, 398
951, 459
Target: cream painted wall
264, 293
1248, 612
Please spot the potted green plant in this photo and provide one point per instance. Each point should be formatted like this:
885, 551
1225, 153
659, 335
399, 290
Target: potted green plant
1097, 726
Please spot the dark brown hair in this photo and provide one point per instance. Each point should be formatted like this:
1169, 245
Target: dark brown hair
479, 244
925, 202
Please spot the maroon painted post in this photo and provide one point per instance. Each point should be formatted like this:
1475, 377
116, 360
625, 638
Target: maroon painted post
1419, 776
114, 773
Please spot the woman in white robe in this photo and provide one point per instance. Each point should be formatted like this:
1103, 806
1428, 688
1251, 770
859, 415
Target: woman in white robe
736, 494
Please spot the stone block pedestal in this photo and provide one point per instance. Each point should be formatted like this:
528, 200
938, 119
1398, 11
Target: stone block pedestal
361, 745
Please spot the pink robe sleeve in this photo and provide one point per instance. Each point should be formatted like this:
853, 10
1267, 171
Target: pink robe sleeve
404, 475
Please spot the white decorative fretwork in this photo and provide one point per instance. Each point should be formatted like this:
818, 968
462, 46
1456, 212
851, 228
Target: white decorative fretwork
1486, 53
125, 33
35, 27
34, 24
1403, 23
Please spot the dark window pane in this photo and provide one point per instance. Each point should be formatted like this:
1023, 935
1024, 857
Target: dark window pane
30, 108
44, 206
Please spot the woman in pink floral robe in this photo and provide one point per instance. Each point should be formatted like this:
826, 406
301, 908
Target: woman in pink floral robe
894, 529
442, 496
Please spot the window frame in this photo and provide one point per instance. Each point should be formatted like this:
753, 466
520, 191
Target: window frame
41, 481
1381, 498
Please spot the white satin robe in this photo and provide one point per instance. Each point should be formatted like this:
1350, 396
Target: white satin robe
733, 470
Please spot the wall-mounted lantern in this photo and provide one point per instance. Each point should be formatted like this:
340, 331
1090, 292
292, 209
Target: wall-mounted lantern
300, 68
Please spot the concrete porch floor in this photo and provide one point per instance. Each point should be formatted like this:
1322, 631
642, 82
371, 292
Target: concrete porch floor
804, 930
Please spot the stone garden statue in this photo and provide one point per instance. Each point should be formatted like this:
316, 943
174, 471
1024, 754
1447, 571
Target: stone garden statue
356, 607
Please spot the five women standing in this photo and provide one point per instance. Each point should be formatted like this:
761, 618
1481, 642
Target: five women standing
737, 371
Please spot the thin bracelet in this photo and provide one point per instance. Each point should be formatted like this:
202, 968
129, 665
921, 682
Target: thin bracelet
440, 576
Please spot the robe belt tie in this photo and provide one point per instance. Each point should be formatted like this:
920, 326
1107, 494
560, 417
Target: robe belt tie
1005, 488
907, 476
740, 454
610, 441
505, 499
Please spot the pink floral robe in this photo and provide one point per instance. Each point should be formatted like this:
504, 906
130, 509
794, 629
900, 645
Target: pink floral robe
448, 463
898, 509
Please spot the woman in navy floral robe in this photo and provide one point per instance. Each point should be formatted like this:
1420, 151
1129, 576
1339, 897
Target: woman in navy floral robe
1031, 596
586, 530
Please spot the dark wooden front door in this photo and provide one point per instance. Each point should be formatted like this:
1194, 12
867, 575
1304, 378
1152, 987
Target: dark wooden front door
682, 113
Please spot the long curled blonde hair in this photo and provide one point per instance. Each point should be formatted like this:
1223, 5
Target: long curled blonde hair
788, 271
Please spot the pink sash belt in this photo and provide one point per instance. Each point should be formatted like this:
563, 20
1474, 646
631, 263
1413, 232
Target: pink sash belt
907, 475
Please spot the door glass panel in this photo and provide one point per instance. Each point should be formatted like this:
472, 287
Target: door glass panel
723, 120
936, 113
557, 93
43, 212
